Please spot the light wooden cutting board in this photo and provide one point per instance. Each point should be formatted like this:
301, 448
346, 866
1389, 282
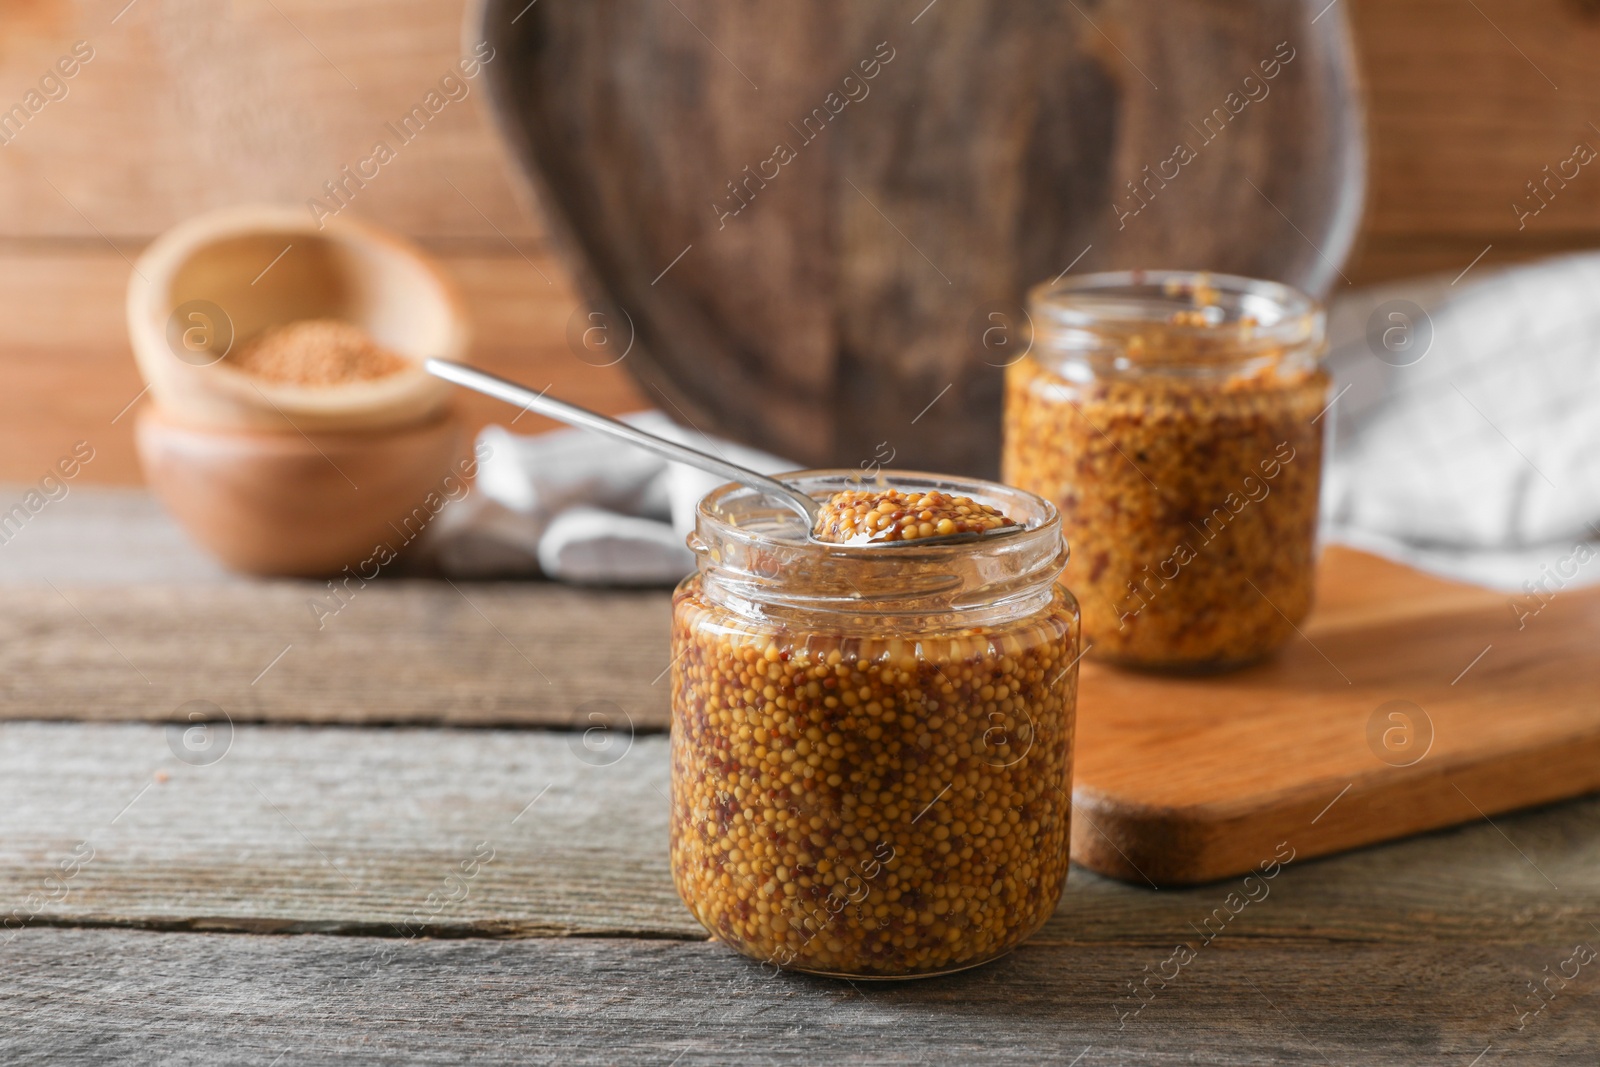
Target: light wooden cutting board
1409, 703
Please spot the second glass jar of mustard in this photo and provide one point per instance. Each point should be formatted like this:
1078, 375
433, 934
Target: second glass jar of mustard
1174, 418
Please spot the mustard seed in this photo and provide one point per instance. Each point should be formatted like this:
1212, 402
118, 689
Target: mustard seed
1186, 465
850, 842
876, 515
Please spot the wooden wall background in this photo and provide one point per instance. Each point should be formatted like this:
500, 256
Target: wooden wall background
192, 104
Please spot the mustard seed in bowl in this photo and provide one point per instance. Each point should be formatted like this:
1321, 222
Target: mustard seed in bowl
316, 352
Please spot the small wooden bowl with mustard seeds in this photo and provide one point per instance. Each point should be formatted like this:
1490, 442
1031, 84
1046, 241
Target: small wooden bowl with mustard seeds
293, 430
212, 299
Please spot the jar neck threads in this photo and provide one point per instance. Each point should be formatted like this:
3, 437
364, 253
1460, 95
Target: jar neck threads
1180, 324
756, 560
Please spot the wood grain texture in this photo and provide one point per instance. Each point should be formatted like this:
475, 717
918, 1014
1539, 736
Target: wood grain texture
89, 995
182, 97
97, 535
809, 255
1177, 781
70, 376
1468, 106
316, 829
380, 831
398, 651
187, 106
1409, 703
114, 615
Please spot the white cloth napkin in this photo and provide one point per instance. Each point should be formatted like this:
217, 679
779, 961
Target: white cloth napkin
578, 507
1480, 460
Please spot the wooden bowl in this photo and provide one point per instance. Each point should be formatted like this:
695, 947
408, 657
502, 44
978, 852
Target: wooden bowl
221, 278
272, 503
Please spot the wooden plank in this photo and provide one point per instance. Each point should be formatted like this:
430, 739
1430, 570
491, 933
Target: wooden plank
1460, 115
1459, 122
182, 109
1177, 781
1380, 257
156, 629
65, 357
1181, 781
298, 829
84, 995
116, 616
350, 831
96, 535
1460, 112
1378, 720
1467, 106
397, 651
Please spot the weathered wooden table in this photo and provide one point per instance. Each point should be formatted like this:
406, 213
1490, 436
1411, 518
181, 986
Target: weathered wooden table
418, 843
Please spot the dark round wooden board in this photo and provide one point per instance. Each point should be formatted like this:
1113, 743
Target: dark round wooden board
855, 292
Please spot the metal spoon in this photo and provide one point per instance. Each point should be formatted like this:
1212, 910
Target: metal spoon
583, 418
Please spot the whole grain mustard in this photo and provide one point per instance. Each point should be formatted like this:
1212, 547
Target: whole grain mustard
1183, 447
870, 794
877, 515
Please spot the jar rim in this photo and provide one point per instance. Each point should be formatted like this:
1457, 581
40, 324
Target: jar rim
1086, 307
781, 525
758, 551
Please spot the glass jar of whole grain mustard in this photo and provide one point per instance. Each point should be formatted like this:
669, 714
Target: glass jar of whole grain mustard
871, 746
1173, 418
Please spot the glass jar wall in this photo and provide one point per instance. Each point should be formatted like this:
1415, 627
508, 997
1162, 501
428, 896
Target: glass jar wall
871, 746
1173, 418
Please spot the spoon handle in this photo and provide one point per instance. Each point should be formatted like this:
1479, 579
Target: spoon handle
583, 418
